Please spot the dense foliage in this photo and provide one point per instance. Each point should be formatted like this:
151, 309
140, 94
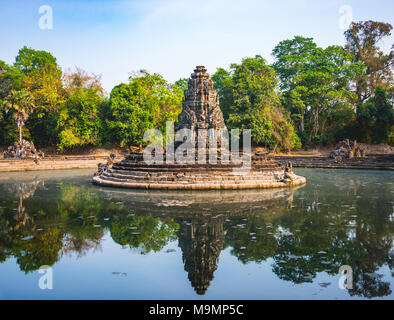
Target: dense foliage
308, 96
375, 118
249, 100
315, 83
146, 102
361, 41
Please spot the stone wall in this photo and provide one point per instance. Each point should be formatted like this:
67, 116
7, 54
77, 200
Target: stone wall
51, 163
369, 162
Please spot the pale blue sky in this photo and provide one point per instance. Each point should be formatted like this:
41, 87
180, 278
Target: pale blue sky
113, 38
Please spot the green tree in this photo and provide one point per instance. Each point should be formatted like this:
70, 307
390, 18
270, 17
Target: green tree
37, 72
222, 80
79, 122
362, 39
314, 82
384, 116
28, 60
182, 83
46, 87
10, 79
143, 231
146, 102
375, 118
79, 78
291, 58
249, 100
365, 114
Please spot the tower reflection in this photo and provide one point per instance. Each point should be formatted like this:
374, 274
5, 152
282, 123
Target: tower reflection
201, 241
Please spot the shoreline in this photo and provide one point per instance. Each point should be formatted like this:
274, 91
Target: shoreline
51, 163
370, 162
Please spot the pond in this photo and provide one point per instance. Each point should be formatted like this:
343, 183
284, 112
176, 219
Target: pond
107, 243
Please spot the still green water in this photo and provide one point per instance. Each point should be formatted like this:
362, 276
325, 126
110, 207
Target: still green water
105, 243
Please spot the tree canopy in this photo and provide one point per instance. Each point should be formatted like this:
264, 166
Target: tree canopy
362, 40
249, 100
308, 96
146, 102
21, 105
314, 82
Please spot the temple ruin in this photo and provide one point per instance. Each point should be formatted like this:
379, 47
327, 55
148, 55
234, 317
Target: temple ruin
200, 110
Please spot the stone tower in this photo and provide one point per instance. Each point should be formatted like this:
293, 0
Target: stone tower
200, 107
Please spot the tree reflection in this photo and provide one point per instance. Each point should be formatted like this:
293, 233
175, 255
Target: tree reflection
315, 231
74, 224
23, 190
324, 231
146, 233
79, 210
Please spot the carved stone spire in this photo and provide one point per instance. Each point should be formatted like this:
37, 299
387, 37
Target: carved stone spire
200, 107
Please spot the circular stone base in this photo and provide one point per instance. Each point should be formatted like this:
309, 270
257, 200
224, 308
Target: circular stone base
125, 174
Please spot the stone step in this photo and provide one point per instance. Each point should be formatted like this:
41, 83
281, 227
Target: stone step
192, 180
184, 169
230, 177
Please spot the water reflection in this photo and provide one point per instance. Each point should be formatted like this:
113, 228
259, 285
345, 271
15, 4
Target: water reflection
331, 222
23, 191
201, 241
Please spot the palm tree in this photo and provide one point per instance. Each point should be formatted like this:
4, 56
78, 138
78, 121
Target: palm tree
21, 102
